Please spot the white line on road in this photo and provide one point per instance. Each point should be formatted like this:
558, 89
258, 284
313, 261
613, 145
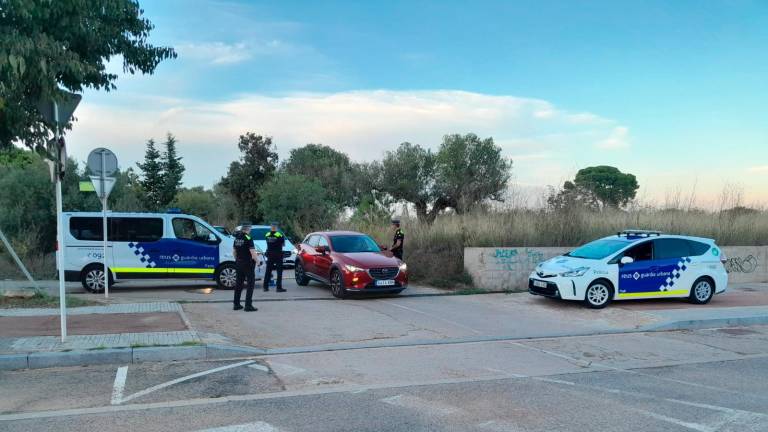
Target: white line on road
259, 367
249, 427
182, 379
119, 386
432, 316
420, 405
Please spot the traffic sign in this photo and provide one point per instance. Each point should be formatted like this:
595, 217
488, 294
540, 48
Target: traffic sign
66, 107
102, 162
104, 188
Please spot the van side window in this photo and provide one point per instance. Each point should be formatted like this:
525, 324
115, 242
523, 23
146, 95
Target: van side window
187, 229
670, 248
86, 228
135, 229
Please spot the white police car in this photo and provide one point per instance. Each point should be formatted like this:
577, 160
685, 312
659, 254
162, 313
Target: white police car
634, 264
147, 246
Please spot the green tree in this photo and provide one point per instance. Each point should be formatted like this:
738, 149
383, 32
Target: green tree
408, 174
48, 44
299, 203
27, 202
468, 171
197, 201
173, 171
152, 181
608, 185
331, 168
256, 166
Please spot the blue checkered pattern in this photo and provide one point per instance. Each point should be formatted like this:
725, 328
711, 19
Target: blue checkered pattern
682, 266
144, 257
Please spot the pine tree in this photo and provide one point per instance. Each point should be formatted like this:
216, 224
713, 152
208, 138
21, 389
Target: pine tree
173, 171
152, 179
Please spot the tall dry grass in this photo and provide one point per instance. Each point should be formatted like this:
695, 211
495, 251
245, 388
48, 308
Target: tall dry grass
435, 253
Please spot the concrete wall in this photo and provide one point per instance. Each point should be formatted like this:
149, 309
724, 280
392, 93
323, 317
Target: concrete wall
508, 268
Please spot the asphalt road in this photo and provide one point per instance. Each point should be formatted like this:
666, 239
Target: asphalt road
705, 380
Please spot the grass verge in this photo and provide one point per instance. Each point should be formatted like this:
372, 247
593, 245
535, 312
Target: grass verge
43, 300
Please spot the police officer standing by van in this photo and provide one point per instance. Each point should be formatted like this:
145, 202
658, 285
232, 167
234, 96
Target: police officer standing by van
245, 259
398, 240
275, 242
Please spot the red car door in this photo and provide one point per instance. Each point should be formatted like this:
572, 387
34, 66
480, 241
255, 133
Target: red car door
323, 260
308, 253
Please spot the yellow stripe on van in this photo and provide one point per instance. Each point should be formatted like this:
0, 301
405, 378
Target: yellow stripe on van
653, 294
162, 270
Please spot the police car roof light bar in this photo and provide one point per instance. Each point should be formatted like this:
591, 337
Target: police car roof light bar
638, 233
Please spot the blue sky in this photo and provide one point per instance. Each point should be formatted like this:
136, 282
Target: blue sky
674, 92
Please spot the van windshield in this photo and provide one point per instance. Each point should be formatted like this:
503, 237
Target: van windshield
598, 249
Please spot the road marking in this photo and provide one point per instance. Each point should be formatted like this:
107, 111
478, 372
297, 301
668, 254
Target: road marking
119, 386
505, 373
420, 405
259, 367
248, 427
432, 316
183, 379
688, 425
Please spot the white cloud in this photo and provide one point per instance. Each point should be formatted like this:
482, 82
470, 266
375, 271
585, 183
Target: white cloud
364, 124
618, 139
221, 53
758, 169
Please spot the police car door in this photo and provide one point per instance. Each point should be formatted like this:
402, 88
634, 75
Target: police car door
195, 250
674, 263
635, 279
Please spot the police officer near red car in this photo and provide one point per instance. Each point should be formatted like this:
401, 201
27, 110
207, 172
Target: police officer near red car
245, 260
275, 242
398, 240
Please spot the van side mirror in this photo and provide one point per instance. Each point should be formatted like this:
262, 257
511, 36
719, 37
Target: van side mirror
626, 260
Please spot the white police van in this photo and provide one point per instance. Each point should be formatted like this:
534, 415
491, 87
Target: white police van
146, 246
634, 264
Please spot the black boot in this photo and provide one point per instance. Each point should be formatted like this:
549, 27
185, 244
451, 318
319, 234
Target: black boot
238, 306
250, 308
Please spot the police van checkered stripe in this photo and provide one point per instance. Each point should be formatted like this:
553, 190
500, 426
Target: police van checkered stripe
142, 254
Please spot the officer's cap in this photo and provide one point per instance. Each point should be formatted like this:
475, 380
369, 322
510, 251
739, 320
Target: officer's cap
274, 224
395, 221
245, 225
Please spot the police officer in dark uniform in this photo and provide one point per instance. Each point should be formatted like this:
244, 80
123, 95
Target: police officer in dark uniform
275, 242
245, 258
399, 239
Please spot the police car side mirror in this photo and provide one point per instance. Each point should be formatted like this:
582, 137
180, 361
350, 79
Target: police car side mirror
626, 260
212, 238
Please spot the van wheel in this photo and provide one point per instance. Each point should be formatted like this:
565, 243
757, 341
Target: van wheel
226, 276
301, 277
598, 294
702, 291
92, 278
337, 285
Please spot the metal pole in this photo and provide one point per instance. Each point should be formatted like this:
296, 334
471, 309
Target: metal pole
104, 221
60, 252
18, 261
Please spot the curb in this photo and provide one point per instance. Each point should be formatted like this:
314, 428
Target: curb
711, 323
41, 360
445, 294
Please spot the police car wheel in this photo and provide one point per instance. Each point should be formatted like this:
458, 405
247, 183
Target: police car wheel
226, 276
598, 295
337, 285
702, 291
92, 278
301, 277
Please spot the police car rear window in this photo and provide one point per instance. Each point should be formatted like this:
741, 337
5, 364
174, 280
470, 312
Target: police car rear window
698, 248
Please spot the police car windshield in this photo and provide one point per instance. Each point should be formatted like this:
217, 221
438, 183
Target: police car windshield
598, 249
354, 243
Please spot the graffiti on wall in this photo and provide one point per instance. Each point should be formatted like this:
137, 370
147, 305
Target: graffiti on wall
746, 264
512, 259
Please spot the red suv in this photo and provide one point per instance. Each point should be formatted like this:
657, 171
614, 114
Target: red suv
350, 262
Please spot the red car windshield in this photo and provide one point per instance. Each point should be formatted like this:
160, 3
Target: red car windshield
354, 243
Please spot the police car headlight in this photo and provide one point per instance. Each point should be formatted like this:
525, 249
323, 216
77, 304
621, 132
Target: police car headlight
295, 251
575, 272
403, 267
353, 269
